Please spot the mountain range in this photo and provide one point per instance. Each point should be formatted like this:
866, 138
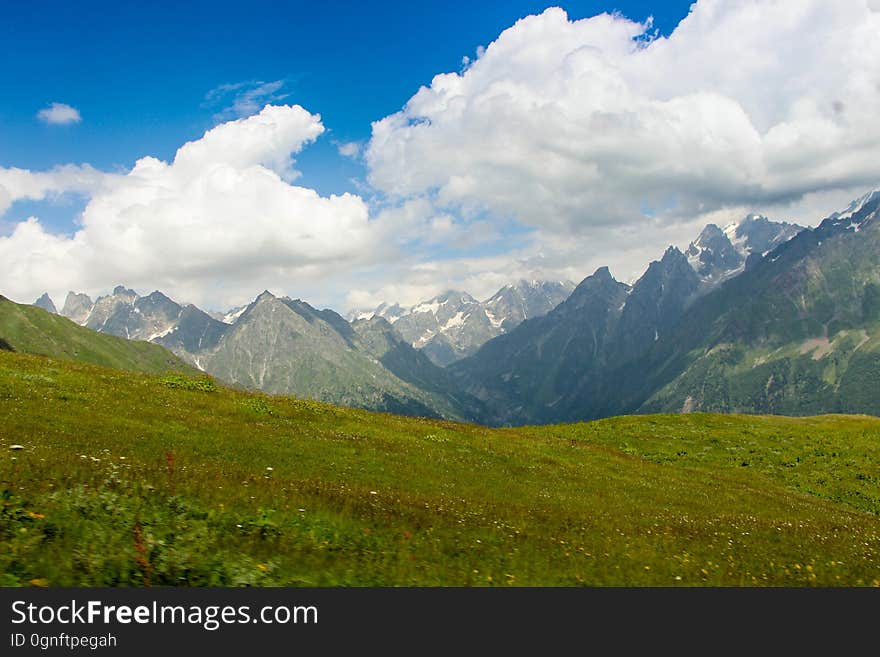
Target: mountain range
453, 325
283, 345
795, 331
758, 316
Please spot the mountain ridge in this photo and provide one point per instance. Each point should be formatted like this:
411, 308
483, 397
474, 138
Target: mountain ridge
735, 322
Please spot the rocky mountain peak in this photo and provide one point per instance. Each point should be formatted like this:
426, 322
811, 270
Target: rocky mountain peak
45, 302
122, 291
265, 295
454, 324
861, 213
77, 307
719, 254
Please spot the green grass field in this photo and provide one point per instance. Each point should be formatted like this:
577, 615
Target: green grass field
132, 479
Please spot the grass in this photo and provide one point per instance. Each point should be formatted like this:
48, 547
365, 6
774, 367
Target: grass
130, 479
33, 330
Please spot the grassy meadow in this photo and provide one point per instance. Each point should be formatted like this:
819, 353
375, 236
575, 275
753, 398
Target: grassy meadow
127, 479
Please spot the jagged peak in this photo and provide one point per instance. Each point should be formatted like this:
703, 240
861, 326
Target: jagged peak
857, 205
78, 295
45, 302
672, 253
709, 231
120, 290
156, 294
453, 294
601, 277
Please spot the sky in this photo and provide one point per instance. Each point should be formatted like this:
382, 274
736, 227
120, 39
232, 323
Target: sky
353, 153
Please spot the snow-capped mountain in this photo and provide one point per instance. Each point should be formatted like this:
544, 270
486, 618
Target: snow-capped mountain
453, 325
154, 318
719, 254
854, 216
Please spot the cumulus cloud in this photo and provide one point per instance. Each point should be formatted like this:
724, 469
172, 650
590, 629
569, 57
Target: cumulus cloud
214, 223
59, 114
574, 125
560, 147
21, 184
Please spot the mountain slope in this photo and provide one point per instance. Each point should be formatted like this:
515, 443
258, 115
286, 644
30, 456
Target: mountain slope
282, 345
411, 365
33, 330
798, 333
523, 375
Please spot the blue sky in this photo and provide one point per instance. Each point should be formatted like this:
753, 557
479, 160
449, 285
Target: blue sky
139, 72
555, 150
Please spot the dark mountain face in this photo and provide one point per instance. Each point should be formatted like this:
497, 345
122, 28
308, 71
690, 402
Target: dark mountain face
523, 375
655, 305
194, 333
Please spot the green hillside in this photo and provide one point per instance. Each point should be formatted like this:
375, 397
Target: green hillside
798, 334
33, 330
132, 479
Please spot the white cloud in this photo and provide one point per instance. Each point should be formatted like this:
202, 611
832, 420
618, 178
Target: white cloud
216, 223
22, 184
571, 126
562, 146
351, 149
59, 114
